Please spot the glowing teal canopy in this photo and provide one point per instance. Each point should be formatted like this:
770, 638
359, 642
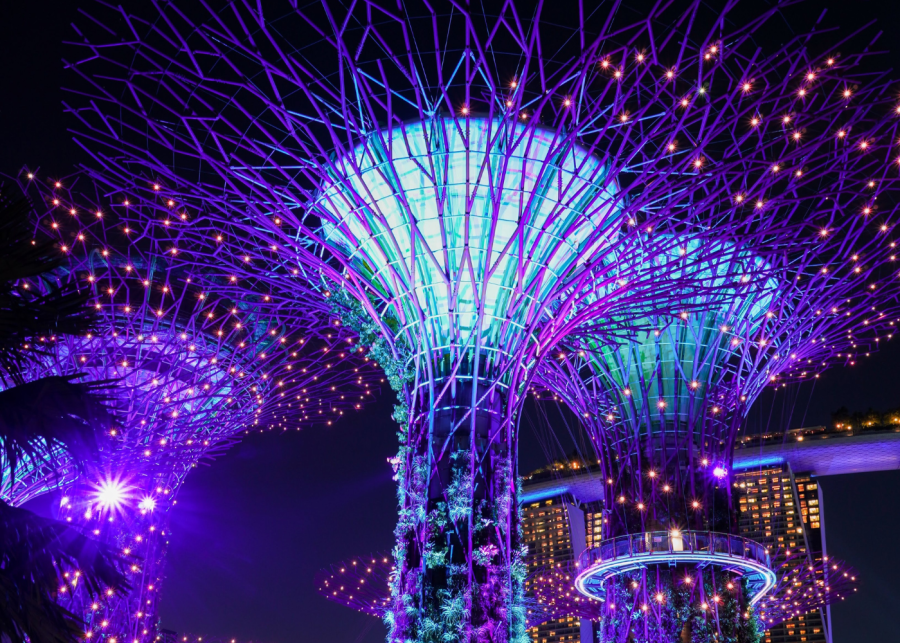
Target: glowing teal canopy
674, 370
468, 225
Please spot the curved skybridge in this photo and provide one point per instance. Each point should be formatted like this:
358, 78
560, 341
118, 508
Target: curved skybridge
742, 557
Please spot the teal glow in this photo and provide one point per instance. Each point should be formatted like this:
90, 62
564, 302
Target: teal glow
541, 494
468, 224
673, 370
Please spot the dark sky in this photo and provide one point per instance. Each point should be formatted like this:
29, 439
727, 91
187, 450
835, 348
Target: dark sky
251, 530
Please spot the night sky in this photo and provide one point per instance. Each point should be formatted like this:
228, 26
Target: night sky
251, 530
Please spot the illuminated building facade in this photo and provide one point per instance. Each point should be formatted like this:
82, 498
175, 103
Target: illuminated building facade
555, 531
784, 508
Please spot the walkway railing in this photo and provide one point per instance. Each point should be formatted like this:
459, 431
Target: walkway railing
666, 543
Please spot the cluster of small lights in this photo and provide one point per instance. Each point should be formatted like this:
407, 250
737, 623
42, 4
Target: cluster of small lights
715, 130
362, 583
187, 383
805, 587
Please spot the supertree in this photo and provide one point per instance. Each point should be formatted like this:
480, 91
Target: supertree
188, 368
664, 411
468, 187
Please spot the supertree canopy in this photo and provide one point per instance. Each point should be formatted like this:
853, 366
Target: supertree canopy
469, 189
664, 411
189, 370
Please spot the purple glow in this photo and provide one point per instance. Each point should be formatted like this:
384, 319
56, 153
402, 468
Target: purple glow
509, 217
194, 369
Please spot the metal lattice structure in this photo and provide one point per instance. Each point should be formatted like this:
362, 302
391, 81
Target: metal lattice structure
191, 369
470, 189
664, 412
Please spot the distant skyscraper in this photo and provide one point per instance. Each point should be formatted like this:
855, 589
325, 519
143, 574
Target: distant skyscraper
786, 509
556, 531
